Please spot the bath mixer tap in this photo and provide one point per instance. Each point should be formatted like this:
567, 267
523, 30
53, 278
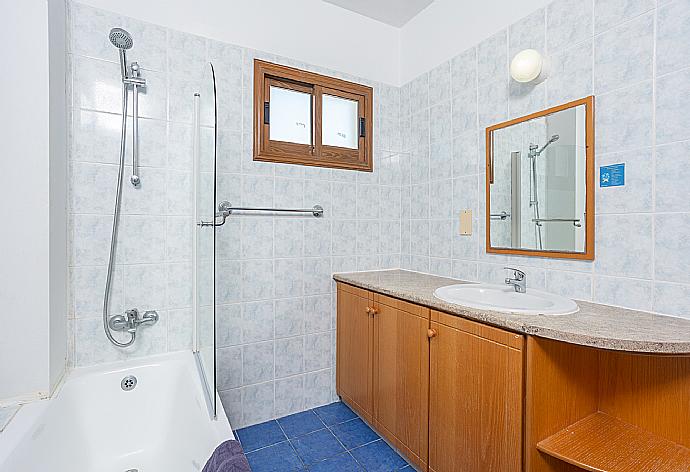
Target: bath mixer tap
131, 320
519, 280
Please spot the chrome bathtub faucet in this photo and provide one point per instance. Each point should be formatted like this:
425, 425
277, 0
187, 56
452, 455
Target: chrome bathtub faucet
518, 281
131, 320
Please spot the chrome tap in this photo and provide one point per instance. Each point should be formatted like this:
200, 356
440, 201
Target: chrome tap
519, 280
131, 320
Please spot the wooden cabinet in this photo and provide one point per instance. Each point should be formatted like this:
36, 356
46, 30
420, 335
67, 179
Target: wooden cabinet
445, 391
475, 397
354, 349
401, 376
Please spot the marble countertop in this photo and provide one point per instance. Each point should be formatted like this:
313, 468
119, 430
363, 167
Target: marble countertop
595, 325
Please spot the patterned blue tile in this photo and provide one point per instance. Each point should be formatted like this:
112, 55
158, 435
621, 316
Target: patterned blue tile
260, 435
354, 433
378, 457
334, 413
341, 463
300, 423
317, 446
277, 458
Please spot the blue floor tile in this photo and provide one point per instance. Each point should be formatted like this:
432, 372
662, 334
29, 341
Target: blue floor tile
317, 446
277, 458
354, 433
260, 435
335, 413
340, 463
378, 457
300, 424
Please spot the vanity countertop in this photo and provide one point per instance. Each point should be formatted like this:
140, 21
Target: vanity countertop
595, 325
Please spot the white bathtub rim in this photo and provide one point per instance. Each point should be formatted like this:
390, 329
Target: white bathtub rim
28, 414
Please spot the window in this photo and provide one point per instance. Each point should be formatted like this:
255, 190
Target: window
310, 119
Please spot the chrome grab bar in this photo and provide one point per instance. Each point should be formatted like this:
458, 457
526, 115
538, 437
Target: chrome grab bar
225, 209
500, 216
575, 222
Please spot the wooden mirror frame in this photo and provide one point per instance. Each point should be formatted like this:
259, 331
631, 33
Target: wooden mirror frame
588, 253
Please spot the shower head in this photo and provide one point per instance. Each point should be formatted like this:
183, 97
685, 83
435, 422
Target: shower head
553, 139
120, 38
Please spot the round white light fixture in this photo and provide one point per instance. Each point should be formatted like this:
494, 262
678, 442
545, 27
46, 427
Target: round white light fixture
526, 66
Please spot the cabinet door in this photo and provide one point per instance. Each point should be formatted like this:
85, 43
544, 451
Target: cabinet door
401, 380
475, 402
354, 351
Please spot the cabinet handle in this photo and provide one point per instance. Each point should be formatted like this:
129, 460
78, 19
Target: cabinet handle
431, 333
368, 310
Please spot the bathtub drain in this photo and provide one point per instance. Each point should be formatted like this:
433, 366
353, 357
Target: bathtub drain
127, 384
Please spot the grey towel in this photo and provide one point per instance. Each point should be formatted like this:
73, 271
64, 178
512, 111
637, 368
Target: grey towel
228, 457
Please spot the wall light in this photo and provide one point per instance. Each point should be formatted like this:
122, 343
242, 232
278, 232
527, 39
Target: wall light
527, 65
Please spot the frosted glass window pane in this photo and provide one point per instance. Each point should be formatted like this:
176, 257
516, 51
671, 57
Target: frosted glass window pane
290, 116
339, 126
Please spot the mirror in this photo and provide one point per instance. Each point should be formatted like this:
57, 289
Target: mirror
540, 183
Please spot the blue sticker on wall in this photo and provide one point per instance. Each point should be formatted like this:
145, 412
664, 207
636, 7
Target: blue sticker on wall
612, 176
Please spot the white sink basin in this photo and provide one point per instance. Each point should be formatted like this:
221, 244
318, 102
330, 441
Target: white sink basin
505, 299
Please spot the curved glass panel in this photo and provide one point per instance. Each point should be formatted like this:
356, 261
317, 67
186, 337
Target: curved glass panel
205, 136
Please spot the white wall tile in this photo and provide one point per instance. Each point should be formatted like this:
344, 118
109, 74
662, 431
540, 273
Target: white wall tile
439, 84
289, 356
289, 317
628, 293
567, 22
289, 396
288, 277
619, 130
672, 192
624, 245
528, 33
609, 13
492, 57
570, 75
257, 362
673, 37
671, 257
672, 104
672, 298
624, 55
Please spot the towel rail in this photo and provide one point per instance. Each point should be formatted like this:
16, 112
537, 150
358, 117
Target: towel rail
225, 209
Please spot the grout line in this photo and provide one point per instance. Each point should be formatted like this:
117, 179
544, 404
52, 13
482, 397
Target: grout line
654, 155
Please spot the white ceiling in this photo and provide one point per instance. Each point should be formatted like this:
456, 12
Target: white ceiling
393, 12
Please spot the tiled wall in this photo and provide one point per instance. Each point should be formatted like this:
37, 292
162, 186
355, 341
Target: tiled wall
634, 56
275, 298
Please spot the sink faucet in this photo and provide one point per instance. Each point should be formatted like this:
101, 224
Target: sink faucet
519, 280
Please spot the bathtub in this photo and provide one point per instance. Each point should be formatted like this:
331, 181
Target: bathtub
93, 425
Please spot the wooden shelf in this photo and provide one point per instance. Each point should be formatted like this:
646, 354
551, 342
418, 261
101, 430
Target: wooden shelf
602, 443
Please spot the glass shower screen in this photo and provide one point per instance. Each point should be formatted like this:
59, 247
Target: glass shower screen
205, 135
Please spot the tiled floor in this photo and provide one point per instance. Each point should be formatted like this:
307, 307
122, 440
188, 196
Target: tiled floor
330, 438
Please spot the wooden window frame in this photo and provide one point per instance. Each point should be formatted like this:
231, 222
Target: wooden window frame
317, 154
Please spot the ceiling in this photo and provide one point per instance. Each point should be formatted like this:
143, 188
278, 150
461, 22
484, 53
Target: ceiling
393, 12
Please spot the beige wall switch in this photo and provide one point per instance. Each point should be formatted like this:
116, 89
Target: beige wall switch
466, 222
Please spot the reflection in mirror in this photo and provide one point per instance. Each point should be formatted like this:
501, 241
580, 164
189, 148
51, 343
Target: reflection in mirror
540, 171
